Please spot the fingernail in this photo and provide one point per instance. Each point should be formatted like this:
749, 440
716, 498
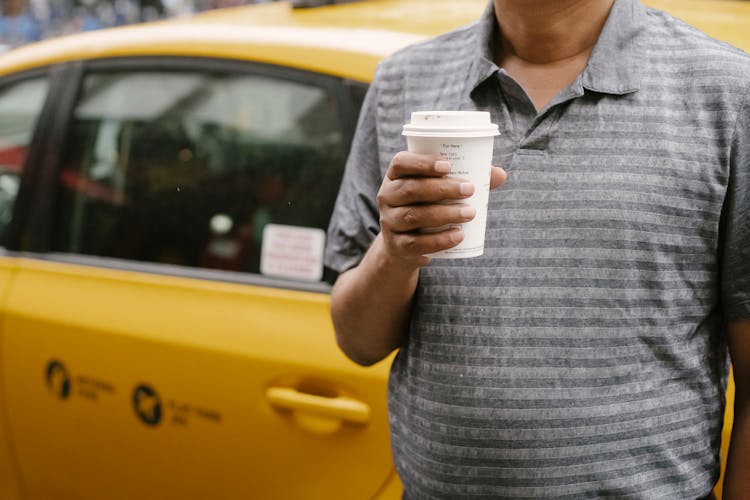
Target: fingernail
442, 166
457, 235
468, 212
467, 188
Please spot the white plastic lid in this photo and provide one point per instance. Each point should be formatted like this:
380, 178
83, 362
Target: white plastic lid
451, 124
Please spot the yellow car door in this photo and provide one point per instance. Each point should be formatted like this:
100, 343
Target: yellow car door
127, 385
9, 488
167, 332
22, 98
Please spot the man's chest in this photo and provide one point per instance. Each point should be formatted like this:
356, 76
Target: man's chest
603, 192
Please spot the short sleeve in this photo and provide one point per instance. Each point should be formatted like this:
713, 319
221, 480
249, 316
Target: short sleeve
355, 220
735, 267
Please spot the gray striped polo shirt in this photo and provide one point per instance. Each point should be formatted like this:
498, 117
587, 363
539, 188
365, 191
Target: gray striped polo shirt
583, 355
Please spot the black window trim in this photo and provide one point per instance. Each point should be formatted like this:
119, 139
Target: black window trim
351, 107
35, 241
199, 273
61, 82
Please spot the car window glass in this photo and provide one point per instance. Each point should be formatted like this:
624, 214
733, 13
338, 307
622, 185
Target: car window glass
223, 171
20, 106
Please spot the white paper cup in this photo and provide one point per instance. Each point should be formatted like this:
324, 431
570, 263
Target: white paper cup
465, 139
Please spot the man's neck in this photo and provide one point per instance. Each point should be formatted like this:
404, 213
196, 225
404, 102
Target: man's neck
542, 32
545, 44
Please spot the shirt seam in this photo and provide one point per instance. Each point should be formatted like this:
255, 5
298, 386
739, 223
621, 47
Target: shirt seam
743, 102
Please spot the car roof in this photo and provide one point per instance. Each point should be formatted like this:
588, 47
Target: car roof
344, 40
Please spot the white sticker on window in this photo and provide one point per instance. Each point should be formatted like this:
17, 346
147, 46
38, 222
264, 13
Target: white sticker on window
292, 252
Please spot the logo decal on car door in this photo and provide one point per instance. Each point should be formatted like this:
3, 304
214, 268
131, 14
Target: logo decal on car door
147, 404
58, 380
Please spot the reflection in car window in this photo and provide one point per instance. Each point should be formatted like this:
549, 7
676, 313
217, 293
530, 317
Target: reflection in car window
20, 106
191, 169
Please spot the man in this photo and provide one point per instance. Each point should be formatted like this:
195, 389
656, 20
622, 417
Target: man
584, 355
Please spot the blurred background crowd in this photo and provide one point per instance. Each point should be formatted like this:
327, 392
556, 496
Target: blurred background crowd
23, 21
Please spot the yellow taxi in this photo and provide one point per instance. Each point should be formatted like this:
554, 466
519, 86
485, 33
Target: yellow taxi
164, 194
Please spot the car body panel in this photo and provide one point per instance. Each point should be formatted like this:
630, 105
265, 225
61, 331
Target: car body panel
726, 432
223, 357
726, 20
9, 477
211, 352
343, 40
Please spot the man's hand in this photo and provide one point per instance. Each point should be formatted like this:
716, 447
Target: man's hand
385, 280
410, 202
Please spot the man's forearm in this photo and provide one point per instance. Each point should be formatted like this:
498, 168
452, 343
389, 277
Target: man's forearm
737, 475
370, 306
737, 478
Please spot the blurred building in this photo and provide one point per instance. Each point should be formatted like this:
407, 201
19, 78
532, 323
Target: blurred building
23, 21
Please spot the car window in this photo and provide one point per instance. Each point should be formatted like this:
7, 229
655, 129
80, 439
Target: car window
20, 106
219, 170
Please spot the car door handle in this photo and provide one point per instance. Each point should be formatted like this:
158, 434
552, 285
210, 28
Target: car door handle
339, 407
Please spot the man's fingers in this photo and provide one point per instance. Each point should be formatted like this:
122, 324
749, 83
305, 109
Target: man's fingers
411, 190
406, 164
417, 244
497, 177
414, 217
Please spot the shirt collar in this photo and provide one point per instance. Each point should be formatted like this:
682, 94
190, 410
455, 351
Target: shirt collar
613, 67
482, 64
